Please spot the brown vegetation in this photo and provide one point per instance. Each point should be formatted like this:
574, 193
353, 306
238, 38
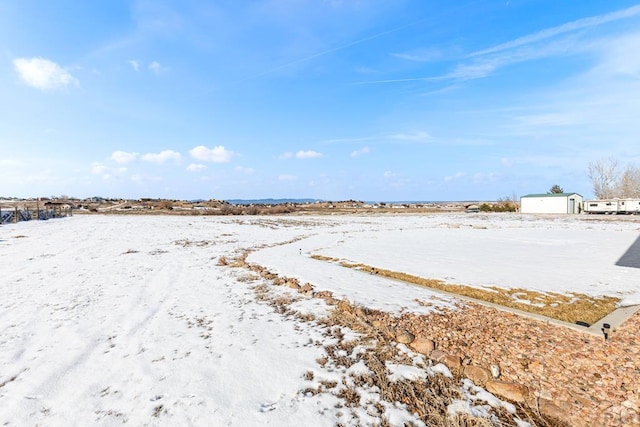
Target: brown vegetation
572, 307
429, 398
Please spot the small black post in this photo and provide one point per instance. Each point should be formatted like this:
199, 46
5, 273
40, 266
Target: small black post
606, 330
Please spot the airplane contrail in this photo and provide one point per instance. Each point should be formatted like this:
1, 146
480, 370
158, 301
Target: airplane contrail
332, 50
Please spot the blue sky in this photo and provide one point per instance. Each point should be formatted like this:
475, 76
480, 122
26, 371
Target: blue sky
330, 99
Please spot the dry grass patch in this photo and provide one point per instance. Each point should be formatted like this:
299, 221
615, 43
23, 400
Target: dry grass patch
428, 398
571, 307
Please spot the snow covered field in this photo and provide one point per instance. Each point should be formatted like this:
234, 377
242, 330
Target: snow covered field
564, 254
111, 319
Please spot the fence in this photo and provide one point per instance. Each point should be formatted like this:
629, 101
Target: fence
14, 215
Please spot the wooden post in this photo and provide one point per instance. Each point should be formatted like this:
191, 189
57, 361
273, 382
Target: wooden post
15, 215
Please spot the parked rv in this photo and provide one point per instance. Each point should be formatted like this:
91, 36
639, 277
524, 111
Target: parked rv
629, 206
601, 206
612, 206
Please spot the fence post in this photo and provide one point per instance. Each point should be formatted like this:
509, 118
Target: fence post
15, 215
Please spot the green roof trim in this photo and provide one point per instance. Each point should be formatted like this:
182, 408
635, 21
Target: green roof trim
551, 195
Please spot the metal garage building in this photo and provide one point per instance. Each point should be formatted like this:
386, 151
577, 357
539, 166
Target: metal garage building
560, 203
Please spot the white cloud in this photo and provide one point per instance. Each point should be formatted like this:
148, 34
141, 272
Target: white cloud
385, 138
554, 41
395, 179
353, 140
194, 167
360, 152
421, 55
43, 74
562, 29
414, 136
457, 175
244, 170
107, 173
616, 60
11, 163
144, 178
98, 168
532, 46
134, 64
487, 178
285, 177
162, 157
42, 176
217, 154
123, 157
309, 154
156, 67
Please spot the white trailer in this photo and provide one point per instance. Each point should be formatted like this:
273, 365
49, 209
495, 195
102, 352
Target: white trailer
609, 206
629, 206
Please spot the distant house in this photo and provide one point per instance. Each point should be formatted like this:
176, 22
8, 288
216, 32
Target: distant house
553, 203
60, 205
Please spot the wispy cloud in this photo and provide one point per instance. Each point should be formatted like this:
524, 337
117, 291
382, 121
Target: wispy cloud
140, 178
301, 154
195, 167
485, 62
487, 178
395, 179
413, 136
455, 176
309, 154
43, 74
106, 172
123, 157
361, 152
156, 67
162, 157
12, 163
217, 154
333, 50
421, 55
400, 136
245, 170
562, 29
134, 64
286, 177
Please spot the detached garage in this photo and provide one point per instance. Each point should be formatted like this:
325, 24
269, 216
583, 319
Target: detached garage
559, 203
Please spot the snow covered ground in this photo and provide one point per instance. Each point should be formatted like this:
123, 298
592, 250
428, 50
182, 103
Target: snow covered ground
564, 254
112, 319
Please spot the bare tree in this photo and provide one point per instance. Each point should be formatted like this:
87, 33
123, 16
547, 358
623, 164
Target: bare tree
603, 174
628, 185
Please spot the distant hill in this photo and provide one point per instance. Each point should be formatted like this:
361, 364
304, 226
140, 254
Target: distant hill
270, 201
